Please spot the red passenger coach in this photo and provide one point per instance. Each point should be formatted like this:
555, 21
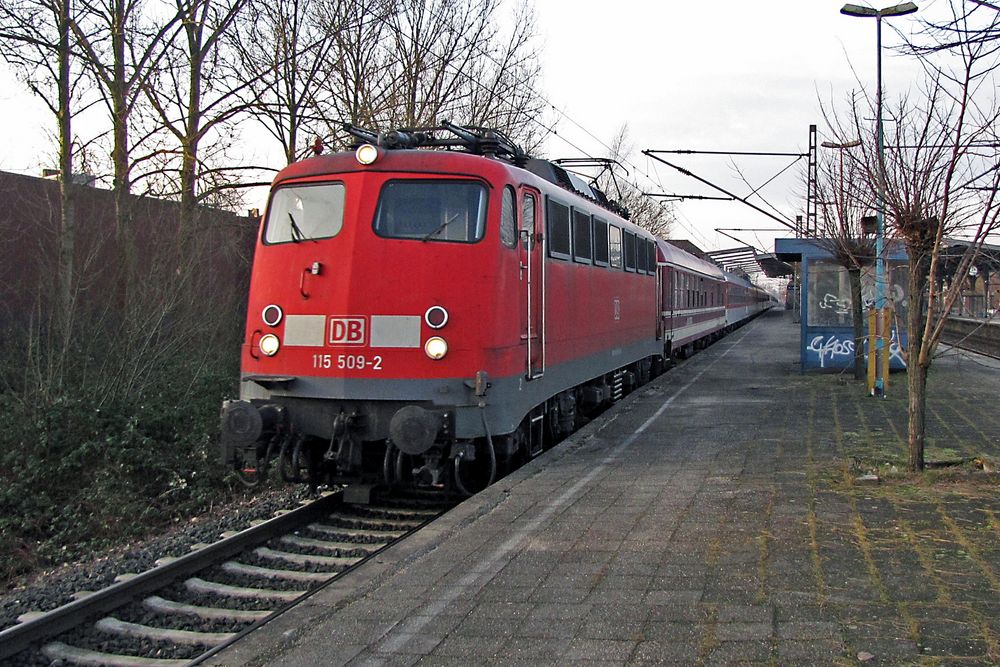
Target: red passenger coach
693, 306
432, 317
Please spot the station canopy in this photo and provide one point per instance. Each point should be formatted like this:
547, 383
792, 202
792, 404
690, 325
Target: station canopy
748, 260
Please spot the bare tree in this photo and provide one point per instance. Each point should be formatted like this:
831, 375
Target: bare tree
940, 175
38, 40
415, 63
643, 210
502, 83
121, 46
282, 45
195, 94
844, 199
358, 75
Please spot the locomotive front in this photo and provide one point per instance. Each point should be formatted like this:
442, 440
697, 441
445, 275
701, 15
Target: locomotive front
370, 333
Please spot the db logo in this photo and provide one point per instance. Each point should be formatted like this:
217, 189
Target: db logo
347, 331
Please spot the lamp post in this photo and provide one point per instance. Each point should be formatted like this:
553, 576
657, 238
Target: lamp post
880, 278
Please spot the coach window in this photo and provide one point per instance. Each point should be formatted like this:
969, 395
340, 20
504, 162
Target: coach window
508, 224
582, 237
600, 242
528, 219
305, 213
629, 251
438, 210
615, 246
640, 255
559, 235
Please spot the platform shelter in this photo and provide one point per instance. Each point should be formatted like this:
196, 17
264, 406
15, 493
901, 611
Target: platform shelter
826, 340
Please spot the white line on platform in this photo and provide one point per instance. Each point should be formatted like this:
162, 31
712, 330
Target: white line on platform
399, 634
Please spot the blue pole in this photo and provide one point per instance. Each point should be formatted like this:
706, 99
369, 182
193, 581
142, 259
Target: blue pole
880, 281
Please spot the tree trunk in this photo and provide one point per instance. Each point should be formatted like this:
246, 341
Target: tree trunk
916, 368
916, 381
67, 202
858, 318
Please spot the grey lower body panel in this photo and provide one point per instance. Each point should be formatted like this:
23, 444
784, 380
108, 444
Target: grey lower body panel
313, 403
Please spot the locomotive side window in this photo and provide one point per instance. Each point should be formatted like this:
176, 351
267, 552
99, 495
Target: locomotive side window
432, 211
582, 237
629, 251
640, 255
600, 242
615, 246
508, 223
559, 237
651, 256
305, 213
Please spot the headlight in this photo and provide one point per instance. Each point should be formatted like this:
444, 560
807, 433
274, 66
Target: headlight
271, 315
269, 345
435, 348
366, 154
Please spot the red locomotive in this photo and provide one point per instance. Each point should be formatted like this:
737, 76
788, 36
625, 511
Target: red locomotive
435, 316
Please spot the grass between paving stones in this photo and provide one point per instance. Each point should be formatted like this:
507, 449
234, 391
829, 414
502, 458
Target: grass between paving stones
944, 520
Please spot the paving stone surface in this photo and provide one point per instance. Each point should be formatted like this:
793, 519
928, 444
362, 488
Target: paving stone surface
710, 519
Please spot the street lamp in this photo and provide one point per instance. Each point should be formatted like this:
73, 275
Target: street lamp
880, 281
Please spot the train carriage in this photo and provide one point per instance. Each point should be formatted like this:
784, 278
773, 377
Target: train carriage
693, 308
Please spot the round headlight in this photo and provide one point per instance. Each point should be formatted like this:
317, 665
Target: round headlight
366, 154
436, 348
271, 315
436, 317
269, 345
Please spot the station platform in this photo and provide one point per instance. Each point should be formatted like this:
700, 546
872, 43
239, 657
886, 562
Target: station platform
712, 517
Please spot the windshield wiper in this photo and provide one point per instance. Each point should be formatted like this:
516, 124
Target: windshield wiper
444, 224
297, 234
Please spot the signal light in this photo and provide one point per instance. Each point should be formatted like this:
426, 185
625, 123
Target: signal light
436, 317
271, 315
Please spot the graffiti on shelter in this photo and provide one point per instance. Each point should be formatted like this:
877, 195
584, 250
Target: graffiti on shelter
895, 295
830, 301
834, 350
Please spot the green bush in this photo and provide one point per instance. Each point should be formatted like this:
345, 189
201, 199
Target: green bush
76, 475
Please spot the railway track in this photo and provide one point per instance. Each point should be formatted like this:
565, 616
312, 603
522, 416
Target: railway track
186, 609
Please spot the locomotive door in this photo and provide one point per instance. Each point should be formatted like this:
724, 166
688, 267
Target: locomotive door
532, 269
658, 300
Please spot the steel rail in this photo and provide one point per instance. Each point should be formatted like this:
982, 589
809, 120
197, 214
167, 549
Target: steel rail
240, 635
19, 637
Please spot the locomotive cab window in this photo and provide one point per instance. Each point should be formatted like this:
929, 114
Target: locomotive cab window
432, 211
305, 213
558, 223
582, 237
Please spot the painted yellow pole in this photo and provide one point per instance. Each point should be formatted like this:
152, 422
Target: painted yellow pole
871, 351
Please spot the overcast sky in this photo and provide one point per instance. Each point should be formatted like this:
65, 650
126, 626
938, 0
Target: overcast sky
728, 75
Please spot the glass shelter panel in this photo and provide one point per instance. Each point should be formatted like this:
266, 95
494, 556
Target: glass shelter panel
829, 295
